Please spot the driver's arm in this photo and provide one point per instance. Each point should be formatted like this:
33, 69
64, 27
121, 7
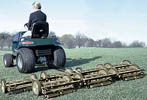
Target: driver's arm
30, 22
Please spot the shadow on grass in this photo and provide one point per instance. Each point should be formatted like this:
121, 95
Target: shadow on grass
44, 68
69, 63
76, 62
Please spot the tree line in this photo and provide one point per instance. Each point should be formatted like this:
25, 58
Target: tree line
80, 40
76, 41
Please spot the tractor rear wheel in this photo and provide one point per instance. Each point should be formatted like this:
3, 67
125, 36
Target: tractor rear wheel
8, 60
25, 60
59, 57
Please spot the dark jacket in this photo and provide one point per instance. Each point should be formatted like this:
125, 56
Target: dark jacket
36, 17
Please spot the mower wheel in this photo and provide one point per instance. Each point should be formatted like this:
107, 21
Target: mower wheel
78, 70
25, 60
8, 60
3, 84
34, 77
43, 75
59, 57
36, 87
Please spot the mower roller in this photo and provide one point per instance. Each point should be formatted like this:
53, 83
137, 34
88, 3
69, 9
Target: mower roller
53, 88
56, 85
124, 71
18, 85
95, 77
74, 75
72, 79
89, 78
46, 77
128, 71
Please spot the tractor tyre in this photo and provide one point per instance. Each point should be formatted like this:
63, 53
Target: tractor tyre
59, 57
8, 60
25, 60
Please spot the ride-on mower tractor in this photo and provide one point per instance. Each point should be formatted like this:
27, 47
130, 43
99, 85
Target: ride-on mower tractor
39, 48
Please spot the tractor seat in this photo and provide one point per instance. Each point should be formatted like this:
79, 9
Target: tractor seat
40, 30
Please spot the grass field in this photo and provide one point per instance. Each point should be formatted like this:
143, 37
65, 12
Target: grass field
89, 58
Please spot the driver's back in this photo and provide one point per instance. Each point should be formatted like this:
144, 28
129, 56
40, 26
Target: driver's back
35, 17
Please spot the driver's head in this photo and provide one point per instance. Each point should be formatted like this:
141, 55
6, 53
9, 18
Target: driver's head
36, 5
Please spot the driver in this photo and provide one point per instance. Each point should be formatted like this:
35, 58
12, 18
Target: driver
36, 16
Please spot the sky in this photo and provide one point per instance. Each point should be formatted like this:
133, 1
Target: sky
124, 20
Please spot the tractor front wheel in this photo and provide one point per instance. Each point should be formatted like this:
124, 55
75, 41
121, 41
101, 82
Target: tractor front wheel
8, 60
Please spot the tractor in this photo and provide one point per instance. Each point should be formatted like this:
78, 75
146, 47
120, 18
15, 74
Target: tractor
39, 48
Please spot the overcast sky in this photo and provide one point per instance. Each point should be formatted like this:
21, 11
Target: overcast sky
124, 20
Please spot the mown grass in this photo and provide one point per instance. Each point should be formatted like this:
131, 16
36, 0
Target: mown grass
89, 58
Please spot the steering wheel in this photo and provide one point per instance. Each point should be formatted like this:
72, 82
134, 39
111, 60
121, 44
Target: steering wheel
26, 25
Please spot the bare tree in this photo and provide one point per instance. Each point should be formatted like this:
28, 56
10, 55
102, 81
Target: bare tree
90, 43
5, 35
68, 41
137, 44
106, 43
117, 44
1, 44
8, 42
80, 39
99, 43
84, 39
124, 45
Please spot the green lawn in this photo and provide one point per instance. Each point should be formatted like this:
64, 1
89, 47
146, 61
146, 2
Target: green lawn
89, 58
